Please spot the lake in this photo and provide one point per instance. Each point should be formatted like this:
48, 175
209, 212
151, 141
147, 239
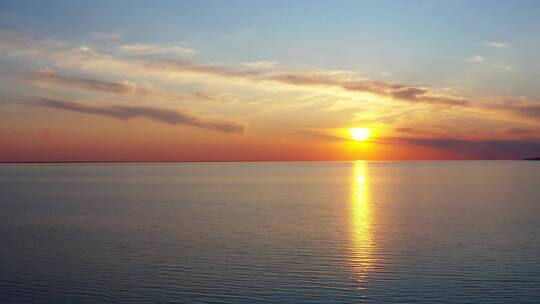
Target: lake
274, 232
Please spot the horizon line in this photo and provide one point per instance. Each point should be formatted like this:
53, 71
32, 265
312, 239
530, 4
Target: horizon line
249, 161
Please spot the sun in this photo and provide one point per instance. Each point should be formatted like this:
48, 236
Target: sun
360, 133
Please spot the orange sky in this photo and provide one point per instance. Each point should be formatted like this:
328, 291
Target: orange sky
119, 96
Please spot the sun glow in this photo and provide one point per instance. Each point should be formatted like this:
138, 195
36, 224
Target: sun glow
360, 133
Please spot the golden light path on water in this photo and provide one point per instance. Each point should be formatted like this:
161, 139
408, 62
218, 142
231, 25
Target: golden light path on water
362, 247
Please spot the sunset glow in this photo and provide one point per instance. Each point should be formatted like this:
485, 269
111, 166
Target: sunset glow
237, 85
269, 151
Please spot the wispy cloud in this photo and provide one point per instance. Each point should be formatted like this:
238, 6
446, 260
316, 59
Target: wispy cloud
406, 130
476, 59
122, 87
25, 44
195, 67
519, 131
503, 66
531, 109
201, 95
388, 89
86, 59
497, 44
261, 64
156, 50
123, 112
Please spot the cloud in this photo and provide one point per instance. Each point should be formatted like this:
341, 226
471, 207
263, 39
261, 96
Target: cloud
261, 64
531, 110
406, 130
139, 49
106, 37
382, 88
86, 58
129, 112
122, 87
489, 149
519, 131
520, 109
504, 66
409, 93
24, 44
475, 59
200, 95
191, 66
497, 45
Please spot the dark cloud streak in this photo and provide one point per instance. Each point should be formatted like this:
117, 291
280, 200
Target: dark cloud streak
494, 149
129, 112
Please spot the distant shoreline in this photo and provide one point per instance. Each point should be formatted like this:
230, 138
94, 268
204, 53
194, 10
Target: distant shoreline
249, 161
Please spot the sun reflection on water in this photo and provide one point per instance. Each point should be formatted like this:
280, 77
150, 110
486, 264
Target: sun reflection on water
362, 246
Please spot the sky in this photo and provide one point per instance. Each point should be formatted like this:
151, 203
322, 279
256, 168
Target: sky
268, 80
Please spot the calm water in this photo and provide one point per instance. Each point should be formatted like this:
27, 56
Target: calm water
387, 232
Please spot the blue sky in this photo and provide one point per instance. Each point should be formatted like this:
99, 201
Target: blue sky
420, 41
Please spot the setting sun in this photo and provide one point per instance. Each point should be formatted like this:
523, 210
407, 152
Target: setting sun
360, 133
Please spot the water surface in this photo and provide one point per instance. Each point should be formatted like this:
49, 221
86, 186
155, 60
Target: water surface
298, 232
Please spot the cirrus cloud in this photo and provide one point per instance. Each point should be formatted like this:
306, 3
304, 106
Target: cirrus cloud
497, 45
139, 49
122, 87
